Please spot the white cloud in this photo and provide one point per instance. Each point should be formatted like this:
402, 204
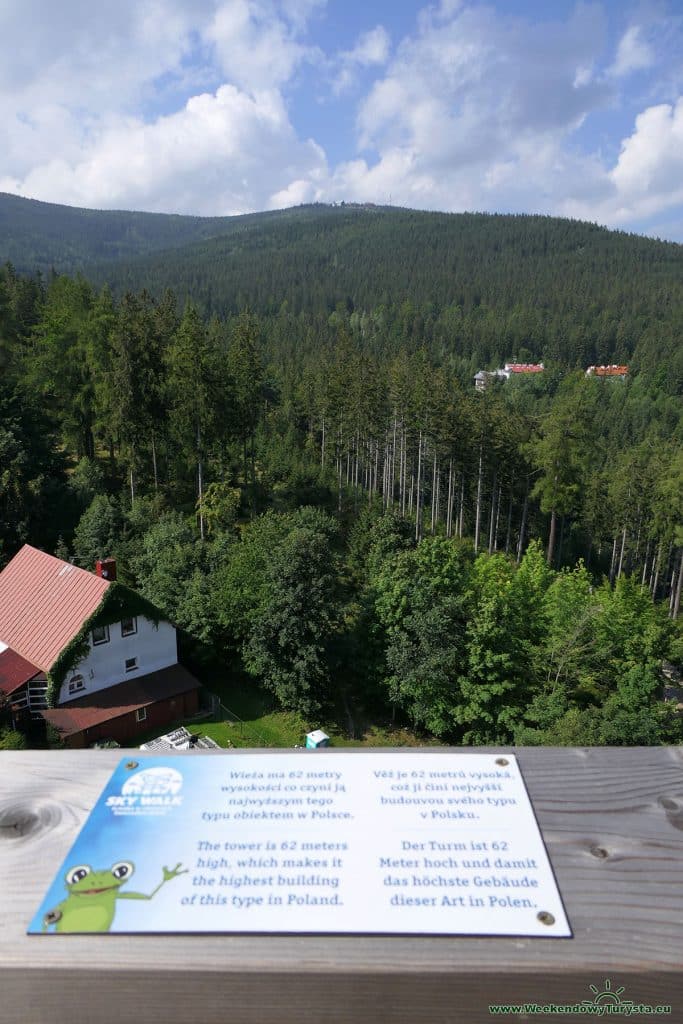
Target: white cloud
300, 12
476, 109
494, 77
222, 154
371, 49
647, 179
80, 115
633, 53
652, 158
99, 59
257, 47
480, 111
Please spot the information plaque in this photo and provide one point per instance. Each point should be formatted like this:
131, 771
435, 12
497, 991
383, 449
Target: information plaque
416, 843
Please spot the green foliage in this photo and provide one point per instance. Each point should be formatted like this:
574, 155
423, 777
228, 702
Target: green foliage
168, 570
350, 389
32, 472
559, 452
10, 739
495, 684
99, 531
44, 235
219, 505
571, 610
422, 605
631, 633
57, 363
288, 647
242, 580
86, 480
375, 536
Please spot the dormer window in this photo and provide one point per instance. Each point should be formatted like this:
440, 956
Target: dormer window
129, 626
76, 683
100, 635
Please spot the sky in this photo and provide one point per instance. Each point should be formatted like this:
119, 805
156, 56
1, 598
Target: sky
220, 107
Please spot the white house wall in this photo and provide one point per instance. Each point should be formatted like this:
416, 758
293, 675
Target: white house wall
155, 647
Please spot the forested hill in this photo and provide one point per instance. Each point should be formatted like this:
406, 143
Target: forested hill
474, 289
316, 494
37, 236
472, 286
364, 257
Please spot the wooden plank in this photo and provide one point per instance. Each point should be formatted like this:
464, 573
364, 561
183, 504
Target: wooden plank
612, 820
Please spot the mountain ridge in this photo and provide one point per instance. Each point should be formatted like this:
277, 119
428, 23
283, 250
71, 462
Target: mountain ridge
38, 236
482, 286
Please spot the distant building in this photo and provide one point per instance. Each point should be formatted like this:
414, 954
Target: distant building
88, 655
516, 368
613, 371
483, 378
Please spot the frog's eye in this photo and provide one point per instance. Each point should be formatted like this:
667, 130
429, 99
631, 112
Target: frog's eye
123, 869
76, 874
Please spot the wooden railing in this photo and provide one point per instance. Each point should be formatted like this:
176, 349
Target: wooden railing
612, 820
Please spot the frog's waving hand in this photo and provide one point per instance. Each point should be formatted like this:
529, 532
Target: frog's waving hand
91, 903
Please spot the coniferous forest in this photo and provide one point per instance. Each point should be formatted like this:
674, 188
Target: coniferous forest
272, 424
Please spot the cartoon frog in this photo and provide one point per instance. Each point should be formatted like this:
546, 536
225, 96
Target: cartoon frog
91, 903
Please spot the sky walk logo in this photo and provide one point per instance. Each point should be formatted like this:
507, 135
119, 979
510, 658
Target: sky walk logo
607, 1002
152, 791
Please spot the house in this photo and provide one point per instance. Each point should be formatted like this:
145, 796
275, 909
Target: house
480, 380
513, 369
88, 655
613, 371
483, 378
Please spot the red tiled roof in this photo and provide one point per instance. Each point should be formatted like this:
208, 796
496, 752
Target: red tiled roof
14, 671
43, 604
609, 371
104, 705
524, 367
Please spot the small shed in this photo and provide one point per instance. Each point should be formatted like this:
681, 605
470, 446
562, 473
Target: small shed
316, 739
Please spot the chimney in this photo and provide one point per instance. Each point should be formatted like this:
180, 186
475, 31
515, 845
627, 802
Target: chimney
106, 569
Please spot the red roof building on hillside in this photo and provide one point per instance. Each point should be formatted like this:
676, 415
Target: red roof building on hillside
608, 371
44, 603
483, 378
524, 368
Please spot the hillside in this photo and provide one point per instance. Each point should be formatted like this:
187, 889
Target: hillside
476, 287
482, 287
316, 494
41, 236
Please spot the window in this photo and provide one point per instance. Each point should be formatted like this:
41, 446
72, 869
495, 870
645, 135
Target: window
129, 627
131, 664
76, 683
100, 635
141, 714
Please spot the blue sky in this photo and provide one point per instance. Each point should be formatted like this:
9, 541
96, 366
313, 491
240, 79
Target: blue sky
230, 106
